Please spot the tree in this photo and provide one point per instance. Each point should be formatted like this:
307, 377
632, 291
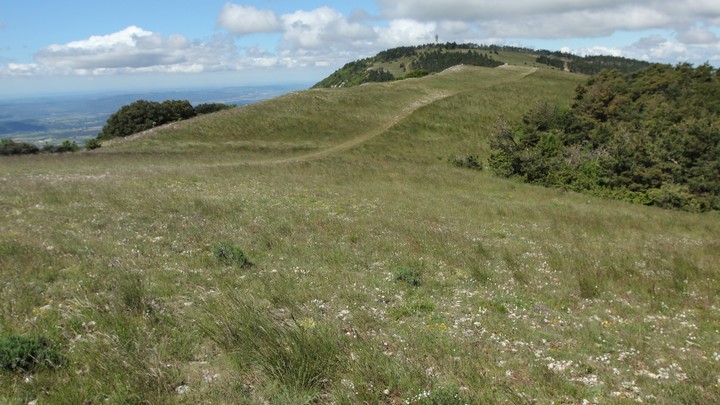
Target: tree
10, 147
142, 115
652, 136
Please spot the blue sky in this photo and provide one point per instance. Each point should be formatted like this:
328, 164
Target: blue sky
52, 46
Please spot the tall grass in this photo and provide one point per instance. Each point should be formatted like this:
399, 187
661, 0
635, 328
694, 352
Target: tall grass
525, 294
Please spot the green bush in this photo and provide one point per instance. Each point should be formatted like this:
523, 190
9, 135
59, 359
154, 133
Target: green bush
417, 73
408, 275
10, 147
208, 108
143, 115
228, 253
466, 161
20, 353
649, 137
66, 146
92, 144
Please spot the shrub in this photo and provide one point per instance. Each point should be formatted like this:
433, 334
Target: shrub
143, 115
10, 147
417, 73
408, 275
20, 353
66, 146
208, 108
228, 253
466, 161
648, 137
92, 144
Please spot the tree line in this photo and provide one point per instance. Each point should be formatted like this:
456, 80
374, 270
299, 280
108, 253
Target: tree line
590, 65
651, 137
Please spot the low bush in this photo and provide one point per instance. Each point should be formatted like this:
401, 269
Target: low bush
466, 161
408, 275
20, 353
228, 253
10, 147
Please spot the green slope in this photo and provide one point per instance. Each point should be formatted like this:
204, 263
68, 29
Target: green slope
417, 61
382, 274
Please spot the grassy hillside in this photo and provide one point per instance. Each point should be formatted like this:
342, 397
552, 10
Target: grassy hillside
417, 61
380, 272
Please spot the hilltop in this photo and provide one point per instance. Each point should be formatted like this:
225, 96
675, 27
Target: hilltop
325, 247
417, 61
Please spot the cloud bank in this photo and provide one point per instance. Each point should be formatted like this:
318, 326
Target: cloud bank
244, 20
676, 31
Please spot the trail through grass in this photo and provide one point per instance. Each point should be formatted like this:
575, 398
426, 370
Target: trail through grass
320, 248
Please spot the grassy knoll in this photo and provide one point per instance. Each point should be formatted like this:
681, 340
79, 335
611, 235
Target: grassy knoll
376, 271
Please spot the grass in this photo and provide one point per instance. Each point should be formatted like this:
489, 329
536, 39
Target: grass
526, 294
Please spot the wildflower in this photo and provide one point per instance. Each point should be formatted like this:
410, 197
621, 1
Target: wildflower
307, 323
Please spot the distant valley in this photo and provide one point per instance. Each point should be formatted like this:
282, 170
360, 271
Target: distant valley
78, 118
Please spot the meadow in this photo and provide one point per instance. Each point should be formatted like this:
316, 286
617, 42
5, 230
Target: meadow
319, 247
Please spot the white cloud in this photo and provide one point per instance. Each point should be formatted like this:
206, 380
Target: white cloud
406, 32
324, 37
135, 50
323, 28
557, 18
659, 48
593, 51
247, 19
697, 35
132, 47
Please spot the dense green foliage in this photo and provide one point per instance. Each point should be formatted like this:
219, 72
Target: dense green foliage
65, 146
227, 253
421, 61
438, 60
418, 61
352, 74
142, 115
651, 137
208, 108
21, 353
590, 65
10, 147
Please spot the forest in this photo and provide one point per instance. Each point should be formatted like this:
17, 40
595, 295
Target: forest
651, 137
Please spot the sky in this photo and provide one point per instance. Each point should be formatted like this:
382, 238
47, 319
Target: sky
67, 46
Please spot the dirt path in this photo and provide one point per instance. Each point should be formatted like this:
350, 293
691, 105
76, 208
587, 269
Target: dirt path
404, 113
362, 138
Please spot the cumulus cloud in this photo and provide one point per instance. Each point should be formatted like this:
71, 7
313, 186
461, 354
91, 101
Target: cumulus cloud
322, 28
404, 32
557, 18
697, 35
135, 50
593, 51
243, 20
326, 37
132, 47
